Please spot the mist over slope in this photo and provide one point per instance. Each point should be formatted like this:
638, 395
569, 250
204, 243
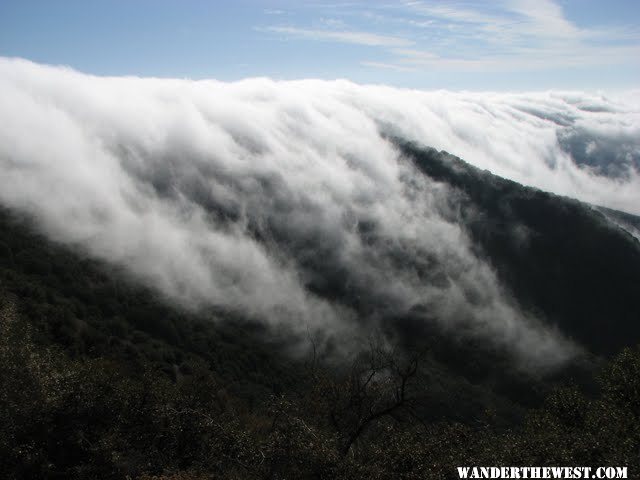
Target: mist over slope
575, 265
288, 202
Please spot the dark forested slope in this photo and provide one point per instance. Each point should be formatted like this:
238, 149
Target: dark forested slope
104, 378
562, 259
91, 309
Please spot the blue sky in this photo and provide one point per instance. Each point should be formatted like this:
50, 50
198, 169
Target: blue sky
473, 45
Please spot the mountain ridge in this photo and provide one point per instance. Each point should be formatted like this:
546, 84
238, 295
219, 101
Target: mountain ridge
609, 257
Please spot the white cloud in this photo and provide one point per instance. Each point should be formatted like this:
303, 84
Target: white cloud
515, 35
344, 36
387, 66
520, 59
507, 36
253, 195
455, 13
543, 18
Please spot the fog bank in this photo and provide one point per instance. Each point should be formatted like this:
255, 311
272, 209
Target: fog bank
283, 201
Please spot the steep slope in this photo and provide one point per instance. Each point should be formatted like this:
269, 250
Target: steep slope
104, 378
90, 309
562, 259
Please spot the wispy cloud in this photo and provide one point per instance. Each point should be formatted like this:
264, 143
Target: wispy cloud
453, 13
511, 35
543, 18
387, 66
522, 33
344, 36
521, 58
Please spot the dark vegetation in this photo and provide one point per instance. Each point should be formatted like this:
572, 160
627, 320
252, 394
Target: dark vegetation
90, 309
101, 378
65, 417
563, 259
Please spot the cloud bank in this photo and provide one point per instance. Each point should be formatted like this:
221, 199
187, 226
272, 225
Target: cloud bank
284, 201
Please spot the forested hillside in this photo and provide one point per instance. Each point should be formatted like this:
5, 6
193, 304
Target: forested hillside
66, 416
105, 378
562, 258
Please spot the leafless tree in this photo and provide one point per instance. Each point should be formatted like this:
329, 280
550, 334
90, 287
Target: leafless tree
375, 386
